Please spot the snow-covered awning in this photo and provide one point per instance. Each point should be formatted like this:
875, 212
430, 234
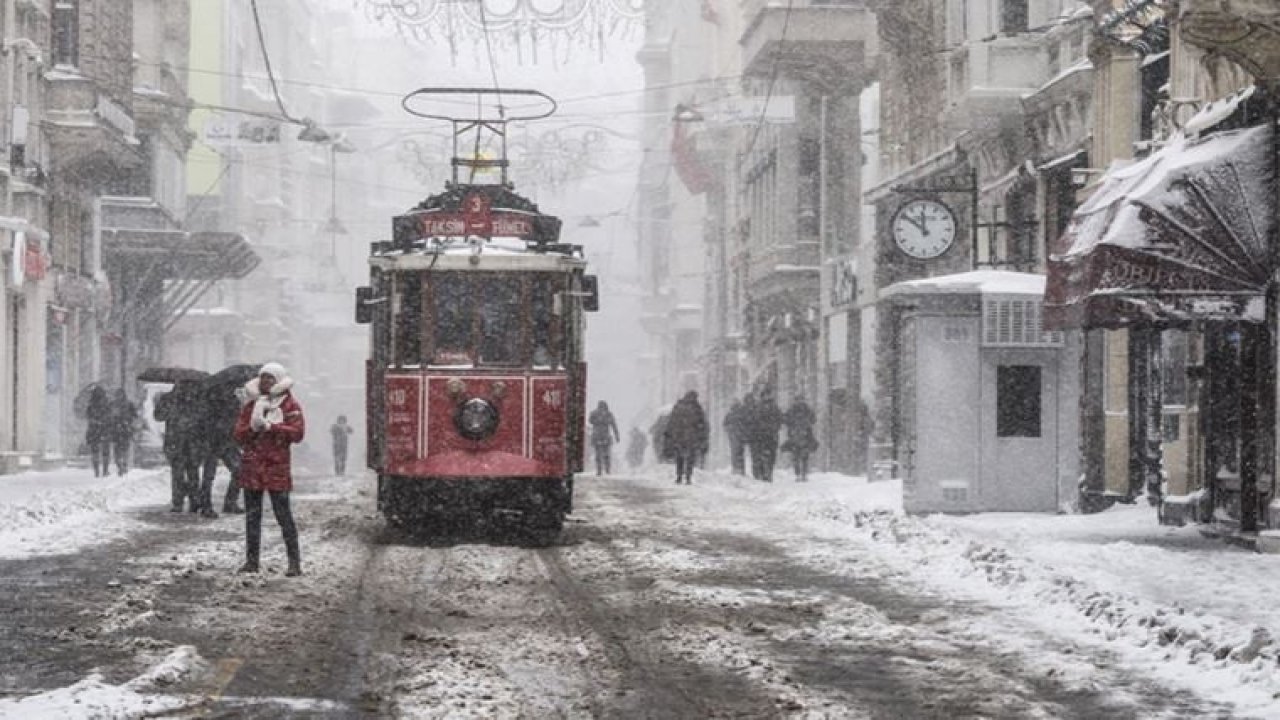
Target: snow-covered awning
1182, 235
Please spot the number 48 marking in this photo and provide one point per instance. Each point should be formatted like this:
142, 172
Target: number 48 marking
553, 398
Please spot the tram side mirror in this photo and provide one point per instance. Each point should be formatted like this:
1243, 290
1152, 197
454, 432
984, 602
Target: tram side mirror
590, 293
364, 305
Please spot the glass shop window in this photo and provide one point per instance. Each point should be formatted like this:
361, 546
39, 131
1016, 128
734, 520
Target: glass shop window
1018, 401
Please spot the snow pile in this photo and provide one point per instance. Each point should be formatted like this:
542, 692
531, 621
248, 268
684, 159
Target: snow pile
63, 510
93, 697
1193, 646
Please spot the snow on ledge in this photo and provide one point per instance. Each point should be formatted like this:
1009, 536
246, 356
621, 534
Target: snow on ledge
975, 282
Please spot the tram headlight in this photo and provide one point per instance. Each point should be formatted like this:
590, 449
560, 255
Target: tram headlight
476, 419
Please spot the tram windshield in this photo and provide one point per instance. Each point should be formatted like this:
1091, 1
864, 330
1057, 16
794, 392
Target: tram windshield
469, 318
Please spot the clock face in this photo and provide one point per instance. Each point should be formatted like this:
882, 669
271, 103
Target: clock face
924, 229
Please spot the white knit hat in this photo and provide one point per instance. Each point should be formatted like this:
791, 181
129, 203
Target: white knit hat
275, 370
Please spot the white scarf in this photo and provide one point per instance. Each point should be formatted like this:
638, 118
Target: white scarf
266, 408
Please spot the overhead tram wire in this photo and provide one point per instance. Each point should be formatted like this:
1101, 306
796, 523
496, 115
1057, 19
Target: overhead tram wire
773, 80
266, 61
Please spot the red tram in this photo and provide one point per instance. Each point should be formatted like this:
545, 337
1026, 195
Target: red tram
476, 378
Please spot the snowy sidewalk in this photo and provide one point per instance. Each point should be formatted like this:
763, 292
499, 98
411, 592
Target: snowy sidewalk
1192, 611
62, 510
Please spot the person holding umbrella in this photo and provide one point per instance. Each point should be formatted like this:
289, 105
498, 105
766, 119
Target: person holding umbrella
268, 425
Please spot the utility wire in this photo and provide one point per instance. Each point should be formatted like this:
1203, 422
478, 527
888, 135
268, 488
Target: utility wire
266, 61
773, 79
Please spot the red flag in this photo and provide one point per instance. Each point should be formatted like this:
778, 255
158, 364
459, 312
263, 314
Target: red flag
694, 173
709, 12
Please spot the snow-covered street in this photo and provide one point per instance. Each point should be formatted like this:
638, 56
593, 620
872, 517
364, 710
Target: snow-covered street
729, 598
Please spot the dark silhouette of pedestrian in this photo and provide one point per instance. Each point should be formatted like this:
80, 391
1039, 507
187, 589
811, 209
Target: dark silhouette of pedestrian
340, 431
801, 441
124, 423
686, 435
220, 407
269, 424
98, 434
735, 429
181, 411
658, 433
763, 424
604, 431
636, 446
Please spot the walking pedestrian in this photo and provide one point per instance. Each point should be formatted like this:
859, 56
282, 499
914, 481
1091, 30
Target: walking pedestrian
764, 423
220, 408
268, 425
801, 441
124, 423
184, 444
340, 431
98, 435
636, 447
604, 431
735, 426
686, 435
658, 431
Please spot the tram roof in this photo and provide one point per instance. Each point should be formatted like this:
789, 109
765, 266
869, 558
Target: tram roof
498, 254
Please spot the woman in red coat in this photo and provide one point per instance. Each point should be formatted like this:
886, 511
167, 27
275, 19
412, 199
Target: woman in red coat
269, 423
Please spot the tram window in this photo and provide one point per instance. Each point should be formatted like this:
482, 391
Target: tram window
541, 305
409, 321
453, 320
500, 322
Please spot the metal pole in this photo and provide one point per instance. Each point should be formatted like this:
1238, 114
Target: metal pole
973, 212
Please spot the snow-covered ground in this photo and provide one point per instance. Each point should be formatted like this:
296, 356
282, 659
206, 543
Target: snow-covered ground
1188, 612
64, 510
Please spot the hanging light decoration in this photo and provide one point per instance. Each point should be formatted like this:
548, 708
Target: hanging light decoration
525, 25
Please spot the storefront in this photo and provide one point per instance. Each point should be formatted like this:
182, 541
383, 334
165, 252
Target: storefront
1179, 248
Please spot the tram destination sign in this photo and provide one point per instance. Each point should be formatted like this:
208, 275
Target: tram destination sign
409, 229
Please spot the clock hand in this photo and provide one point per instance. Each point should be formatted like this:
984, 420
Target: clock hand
919, 223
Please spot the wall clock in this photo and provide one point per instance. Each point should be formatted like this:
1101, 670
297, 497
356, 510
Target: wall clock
924, 229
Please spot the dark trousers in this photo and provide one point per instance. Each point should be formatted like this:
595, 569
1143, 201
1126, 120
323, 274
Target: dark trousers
603, 459
100, 456
738, 456
685, 461
339, 459
184, 481
801, 462
253, 525
763, 457
120, 449
229, 456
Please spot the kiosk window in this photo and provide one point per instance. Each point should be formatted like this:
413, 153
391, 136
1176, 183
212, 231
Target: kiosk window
1018, 401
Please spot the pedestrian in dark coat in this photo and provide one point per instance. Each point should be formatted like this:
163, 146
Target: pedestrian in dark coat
124, 421
636, 447
686, 435
801, 441
181, 410
735, 429
220, 408
98, 435
269, 424
340, 432
658, 431
604, 431
763, 425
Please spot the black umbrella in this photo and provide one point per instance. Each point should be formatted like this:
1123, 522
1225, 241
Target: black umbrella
171, 374
80, 405
231, 376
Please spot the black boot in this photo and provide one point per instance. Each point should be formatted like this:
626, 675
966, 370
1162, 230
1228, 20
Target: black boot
232, 509
295, 557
